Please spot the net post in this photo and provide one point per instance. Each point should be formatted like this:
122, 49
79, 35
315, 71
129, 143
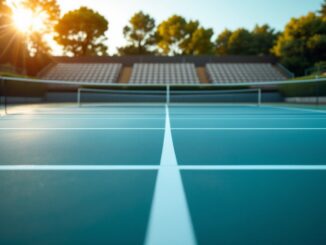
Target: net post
259, 97
3, 94
317, 95
168, 94
78, 97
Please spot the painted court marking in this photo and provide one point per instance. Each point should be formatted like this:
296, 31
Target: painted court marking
159, 167
162, 129
170, 221
322, 117
296, 109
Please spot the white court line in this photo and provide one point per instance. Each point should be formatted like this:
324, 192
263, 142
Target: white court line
161, 119
246, 129
77, 167
160, 167
81, 129
161, 129
84, 118
170, 221
295, 109
254, 167
250, 118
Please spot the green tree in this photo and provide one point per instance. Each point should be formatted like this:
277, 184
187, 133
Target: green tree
177, 36
36, 38
222, 42
139, 34
240, 42
170, 34
303, 43
259, 41
81, 32
199, 42
264, 38
322, 11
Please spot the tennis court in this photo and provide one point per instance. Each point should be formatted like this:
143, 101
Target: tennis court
163, 174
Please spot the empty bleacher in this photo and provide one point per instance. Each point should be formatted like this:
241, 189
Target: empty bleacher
164, 73
243, 72
84, 72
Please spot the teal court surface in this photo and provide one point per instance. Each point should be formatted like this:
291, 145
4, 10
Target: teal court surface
202, 174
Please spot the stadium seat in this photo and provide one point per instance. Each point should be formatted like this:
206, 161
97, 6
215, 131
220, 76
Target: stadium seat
173, 73
84, 72
243, 72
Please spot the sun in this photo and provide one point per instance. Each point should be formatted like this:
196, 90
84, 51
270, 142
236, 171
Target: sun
27, 21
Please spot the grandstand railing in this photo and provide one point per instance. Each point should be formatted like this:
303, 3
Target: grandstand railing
285, 70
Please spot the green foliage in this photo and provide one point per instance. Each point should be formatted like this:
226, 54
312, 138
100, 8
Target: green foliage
222, 42
199, 43
259, 41
303, 89
264, 38
139, 34
240, 42
322, 11
303, 43
170, 34
177, 36
82, 32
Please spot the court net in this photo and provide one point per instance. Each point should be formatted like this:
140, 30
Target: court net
22, 96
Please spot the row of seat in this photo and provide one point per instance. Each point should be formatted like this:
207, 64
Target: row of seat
164, 73
172, 73
254, 72
99, 73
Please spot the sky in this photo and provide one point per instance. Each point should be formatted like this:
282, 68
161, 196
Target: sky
216, 14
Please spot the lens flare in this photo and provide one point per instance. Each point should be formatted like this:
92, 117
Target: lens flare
28, 21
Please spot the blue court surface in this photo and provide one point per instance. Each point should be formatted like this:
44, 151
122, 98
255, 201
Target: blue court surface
201, 174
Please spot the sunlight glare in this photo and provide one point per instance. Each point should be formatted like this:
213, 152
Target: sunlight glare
27, 22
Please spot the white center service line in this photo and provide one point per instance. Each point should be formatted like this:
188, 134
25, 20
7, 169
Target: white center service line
170, 221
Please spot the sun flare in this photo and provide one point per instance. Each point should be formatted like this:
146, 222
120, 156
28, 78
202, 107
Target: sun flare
27, 21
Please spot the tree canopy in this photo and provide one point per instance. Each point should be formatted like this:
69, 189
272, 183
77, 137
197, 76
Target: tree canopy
322, 11
170, 34
303, 42
140, 35
259, 41
264, 38
222, 42
199, 42
176, 35
82, 32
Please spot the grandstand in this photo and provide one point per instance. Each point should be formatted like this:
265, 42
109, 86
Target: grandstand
164, 73
87, 72
243, 72
165, 70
